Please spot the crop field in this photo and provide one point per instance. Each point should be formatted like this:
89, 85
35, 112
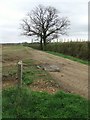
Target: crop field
43, 94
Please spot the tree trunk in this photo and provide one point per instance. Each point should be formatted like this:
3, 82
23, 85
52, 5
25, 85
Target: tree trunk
44, 40
41, 45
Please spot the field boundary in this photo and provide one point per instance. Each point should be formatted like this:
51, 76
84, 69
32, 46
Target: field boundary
69, 57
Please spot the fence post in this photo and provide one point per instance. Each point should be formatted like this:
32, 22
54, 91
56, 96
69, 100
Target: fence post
20, 73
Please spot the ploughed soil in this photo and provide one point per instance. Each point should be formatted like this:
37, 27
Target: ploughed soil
72, 77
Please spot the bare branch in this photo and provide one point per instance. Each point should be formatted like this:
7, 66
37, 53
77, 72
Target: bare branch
44, 22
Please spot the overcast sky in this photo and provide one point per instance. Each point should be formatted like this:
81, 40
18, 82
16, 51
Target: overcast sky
13, 11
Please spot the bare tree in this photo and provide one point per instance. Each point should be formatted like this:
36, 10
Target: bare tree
44, 23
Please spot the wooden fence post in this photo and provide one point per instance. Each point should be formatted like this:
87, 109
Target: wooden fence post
20, 73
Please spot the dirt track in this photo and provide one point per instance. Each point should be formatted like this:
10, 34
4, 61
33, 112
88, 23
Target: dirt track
73, 76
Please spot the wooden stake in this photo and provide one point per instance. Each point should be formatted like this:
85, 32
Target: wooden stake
20, 73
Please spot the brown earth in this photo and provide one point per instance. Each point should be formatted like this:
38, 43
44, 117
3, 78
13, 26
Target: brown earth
73, 76
46, 86
9, 81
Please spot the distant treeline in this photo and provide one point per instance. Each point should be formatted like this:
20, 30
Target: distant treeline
11, 43
75, 49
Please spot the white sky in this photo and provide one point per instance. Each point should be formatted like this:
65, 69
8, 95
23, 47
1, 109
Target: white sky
13, 11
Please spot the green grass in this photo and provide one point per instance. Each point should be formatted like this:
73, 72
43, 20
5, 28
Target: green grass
70, 57
23, 103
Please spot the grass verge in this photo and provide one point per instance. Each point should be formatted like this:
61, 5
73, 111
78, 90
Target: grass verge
70, 57
24, 103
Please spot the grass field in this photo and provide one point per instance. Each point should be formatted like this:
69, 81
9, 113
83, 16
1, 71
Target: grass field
35, 100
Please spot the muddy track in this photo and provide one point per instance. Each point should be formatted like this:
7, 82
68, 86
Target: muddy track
73, 76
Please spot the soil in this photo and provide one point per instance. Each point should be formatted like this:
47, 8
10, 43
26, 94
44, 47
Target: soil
8, 81
73, 76
46, 86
